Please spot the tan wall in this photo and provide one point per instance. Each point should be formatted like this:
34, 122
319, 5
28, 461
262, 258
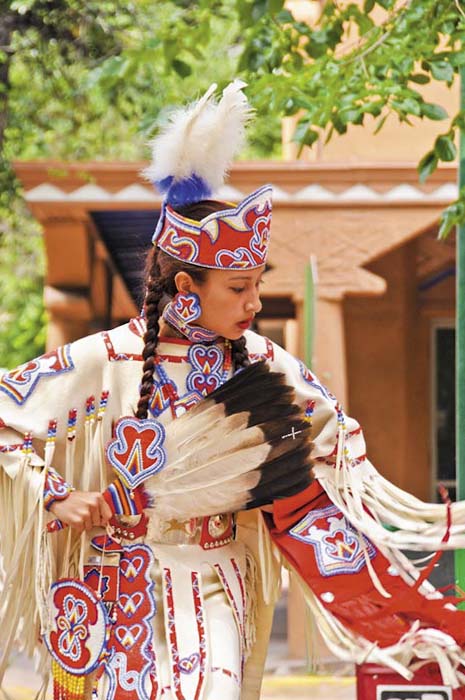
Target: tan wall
388, 358
439, 301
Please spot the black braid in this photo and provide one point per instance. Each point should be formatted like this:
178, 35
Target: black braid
155, 290
240, 354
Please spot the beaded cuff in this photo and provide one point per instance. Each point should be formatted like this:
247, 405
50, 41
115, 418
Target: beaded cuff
55, 489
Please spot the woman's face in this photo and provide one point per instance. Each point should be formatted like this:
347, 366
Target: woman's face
229, 300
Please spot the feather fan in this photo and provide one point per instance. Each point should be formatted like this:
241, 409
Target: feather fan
243, 446
191, 156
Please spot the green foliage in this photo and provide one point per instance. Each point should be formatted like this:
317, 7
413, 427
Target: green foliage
452, 216
92, 81
47, 47
22, 315
374, 72
358, 66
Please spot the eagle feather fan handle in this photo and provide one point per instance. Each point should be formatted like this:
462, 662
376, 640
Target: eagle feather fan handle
243, 446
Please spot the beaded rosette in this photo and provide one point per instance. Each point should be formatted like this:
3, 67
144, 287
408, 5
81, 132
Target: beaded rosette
77, 637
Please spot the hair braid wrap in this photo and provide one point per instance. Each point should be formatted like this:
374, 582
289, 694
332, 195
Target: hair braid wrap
154, 294
239, 353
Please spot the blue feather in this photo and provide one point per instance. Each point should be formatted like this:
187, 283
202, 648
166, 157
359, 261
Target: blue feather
164, 185
187, 191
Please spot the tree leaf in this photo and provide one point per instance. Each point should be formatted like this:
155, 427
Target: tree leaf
351, 115
305, 135
275, 6
318, 44
427, 165
381, 123
459, 120
411, 106
457, 59
181, 67
433, 111
259, 8
285, 16
453, 215
373, 108
442, 70
420, 78
444, 148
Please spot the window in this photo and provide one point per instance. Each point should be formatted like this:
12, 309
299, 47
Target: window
443, 408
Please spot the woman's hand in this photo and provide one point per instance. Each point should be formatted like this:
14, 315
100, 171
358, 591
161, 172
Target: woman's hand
82, 510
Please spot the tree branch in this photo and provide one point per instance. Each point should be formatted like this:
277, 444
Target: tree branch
358, 45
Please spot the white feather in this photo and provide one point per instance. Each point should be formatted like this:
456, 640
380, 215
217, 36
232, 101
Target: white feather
217, 453
211, 460
220, 486
183, 431
231, 434
183, 507
202, 138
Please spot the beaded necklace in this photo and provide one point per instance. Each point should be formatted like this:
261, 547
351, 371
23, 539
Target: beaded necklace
181, 404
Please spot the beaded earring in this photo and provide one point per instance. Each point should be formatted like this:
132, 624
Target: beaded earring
181, 311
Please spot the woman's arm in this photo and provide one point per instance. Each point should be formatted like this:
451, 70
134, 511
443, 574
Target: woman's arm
82, 510
35, 403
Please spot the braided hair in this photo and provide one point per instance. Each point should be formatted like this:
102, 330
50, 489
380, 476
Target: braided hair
239, 353
160, 286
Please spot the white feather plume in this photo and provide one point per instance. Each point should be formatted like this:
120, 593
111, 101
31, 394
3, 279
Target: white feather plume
228, 450
202, 138
200, 475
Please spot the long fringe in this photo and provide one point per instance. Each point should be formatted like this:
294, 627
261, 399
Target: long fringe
31, 559
370, 503
251, 604
269, 561
20, 557
423, 644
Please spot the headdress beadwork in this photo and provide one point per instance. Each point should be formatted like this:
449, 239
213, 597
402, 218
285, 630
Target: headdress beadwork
190, 159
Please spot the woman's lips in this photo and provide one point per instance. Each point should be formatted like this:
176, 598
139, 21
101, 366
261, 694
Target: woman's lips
245, 324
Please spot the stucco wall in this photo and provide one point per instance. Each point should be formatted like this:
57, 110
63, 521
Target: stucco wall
388, 361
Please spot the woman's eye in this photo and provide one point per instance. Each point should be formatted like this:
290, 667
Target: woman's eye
238, 290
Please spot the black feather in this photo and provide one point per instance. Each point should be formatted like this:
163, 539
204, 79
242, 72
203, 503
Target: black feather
270, 403
292, 463
269, 420
251, 388
286, 490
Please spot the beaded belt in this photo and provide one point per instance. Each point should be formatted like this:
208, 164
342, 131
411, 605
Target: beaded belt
209, 532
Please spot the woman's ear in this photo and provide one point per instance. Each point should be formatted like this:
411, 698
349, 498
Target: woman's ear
183, 282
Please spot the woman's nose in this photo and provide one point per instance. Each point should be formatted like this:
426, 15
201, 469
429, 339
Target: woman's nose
254, 305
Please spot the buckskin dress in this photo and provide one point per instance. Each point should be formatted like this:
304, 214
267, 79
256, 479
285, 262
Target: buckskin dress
192, 610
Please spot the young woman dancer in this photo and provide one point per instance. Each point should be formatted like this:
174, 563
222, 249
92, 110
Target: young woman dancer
152, 440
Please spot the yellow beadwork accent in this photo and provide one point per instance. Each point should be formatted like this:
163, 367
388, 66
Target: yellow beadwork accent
67, 686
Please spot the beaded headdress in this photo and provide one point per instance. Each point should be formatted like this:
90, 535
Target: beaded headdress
190, 160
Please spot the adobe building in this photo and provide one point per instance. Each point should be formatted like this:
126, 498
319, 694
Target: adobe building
384, 289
